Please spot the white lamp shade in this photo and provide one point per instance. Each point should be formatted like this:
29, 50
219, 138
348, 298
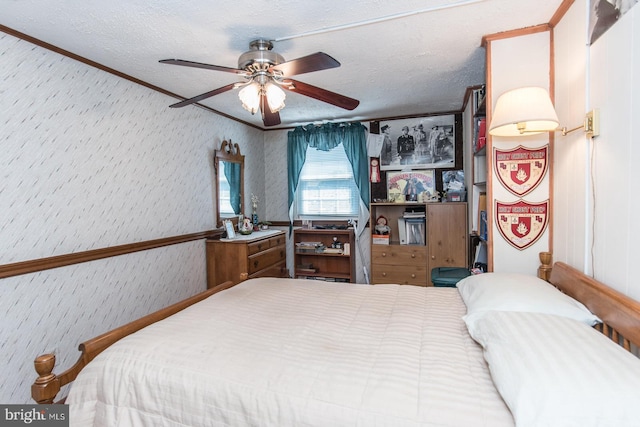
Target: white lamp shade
250, 97
275, 97
523, 111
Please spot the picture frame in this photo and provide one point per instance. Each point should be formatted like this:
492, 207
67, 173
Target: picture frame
453, 186
413, 186
605, 13
228, 226
418, 143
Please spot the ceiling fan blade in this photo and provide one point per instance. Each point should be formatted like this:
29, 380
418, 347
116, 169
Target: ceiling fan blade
314, 62
201, 65
321, 94
268, 118
203, 96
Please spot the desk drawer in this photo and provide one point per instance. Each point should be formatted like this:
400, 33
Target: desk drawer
405, 275
399, 255
264, 259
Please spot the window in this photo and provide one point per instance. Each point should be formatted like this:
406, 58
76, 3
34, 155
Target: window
225, 196
326, 187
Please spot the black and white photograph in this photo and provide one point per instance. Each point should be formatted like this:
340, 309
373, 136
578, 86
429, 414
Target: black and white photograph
605, 13
418, 143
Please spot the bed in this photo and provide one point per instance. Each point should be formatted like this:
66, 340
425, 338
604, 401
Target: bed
288, 352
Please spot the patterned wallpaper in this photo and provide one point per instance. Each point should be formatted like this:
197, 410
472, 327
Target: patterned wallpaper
89, 160
55, 310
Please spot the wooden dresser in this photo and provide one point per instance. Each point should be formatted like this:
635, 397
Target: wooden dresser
260, 254
400, 264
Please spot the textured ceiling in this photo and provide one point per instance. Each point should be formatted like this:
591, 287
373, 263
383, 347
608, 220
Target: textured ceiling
403, 58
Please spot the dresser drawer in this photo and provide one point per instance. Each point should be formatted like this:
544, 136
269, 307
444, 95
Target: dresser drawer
405, 275
264, 259
278, 240
259, 246
277, 270
399, 255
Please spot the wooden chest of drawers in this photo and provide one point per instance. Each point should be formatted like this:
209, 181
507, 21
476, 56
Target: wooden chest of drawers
260, 254
445, 242
401, 264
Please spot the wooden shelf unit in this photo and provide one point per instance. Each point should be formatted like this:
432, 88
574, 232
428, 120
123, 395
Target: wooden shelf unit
331, 266
478, 196
446, 243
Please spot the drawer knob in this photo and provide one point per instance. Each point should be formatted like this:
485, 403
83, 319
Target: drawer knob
384, 274
413, 275
433, 257
413, 255
255, 264
384, 254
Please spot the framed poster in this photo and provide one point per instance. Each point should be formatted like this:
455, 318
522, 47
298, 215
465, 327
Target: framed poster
605, 13
414, 186
418, 143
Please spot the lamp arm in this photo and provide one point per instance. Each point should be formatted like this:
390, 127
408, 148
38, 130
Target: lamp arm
566, 131
591, 124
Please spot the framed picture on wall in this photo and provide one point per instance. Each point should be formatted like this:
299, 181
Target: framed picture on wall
414, 186
418, 143
605, 13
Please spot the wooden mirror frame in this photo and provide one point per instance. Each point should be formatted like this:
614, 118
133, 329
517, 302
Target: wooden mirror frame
228, 152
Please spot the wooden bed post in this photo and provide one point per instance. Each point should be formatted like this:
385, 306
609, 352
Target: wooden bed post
544, 270
47, 385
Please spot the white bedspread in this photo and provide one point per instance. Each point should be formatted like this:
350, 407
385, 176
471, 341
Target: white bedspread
274, 352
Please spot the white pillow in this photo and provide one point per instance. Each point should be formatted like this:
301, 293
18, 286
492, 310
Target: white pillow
554, 371
518, 292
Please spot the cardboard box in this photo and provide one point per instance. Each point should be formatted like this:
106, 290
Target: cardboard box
380, 239
456, 196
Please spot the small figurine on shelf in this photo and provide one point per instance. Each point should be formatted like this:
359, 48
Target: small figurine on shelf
246, 227
254, 213
435, 197
381, 226
336, 244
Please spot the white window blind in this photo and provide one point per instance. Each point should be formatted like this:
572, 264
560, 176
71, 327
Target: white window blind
326, 187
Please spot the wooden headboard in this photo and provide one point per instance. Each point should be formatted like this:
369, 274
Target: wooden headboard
619, 313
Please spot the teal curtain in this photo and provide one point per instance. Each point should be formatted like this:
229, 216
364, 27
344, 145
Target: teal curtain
354, 141
297, 144
325, 138
232, 173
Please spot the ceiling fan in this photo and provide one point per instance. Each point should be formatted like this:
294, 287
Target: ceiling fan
265, 74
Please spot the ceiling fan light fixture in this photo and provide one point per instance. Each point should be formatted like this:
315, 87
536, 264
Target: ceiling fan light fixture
266, 76
250, 97
275, 97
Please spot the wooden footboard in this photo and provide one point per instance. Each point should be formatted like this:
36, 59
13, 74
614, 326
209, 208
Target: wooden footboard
46, 387
619, 313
